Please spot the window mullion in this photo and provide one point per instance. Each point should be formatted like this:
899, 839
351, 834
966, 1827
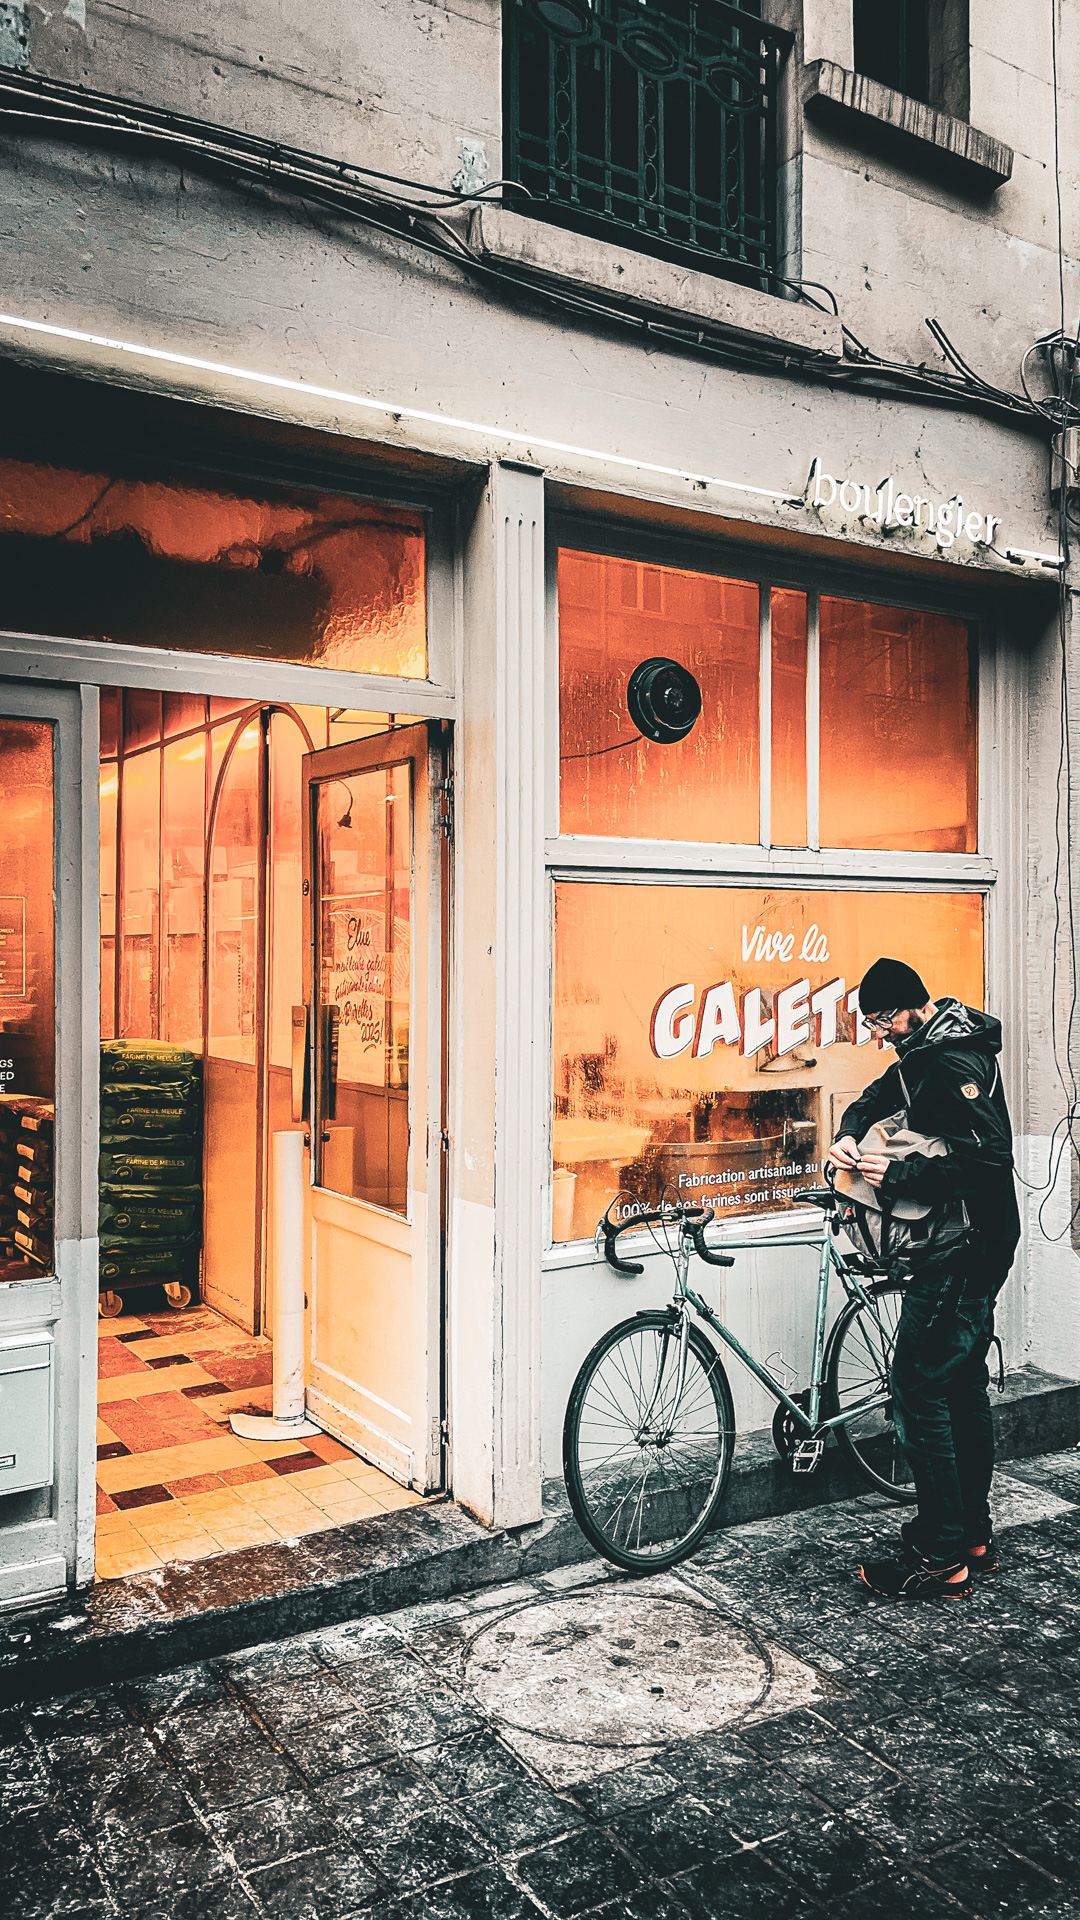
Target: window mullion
813, 719
765, 708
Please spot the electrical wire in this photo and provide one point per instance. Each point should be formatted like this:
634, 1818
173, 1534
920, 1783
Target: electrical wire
415, 211
412, 210
1059, 410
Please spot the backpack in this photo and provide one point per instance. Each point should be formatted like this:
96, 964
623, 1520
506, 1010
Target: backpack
905, 1234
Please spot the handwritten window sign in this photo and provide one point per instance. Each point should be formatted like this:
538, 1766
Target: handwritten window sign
354, 981
12, 946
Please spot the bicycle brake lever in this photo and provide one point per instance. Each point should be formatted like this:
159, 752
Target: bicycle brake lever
702, 1251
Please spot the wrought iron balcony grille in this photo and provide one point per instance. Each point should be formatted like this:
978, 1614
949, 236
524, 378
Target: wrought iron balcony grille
650, 122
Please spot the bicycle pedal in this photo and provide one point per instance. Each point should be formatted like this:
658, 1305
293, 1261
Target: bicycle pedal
807, 1455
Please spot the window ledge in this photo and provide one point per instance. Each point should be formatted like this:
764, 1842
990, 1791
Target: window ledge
638, 280
951, 149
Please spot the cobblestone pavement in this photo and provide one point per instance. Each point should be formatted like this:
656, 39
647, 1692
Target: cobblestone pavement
752, 1735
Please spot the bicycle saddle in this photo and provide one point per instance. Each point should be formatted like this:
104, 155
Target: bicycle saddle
817, 1197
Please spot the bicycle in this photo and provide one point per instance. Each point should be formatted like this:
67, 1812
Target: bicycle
649, 1430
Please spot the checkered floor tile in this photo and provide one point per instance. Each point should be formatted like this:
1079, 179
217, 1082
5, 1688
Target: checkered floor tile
174, 1482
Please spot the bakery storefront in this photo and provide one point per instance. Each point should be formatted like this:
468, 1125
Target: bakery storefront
762, 786
235, 912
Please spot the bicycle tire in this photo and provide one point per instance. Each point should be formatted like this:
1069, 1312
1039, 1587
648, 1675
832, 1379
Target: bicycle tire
664, 1523
857, 1361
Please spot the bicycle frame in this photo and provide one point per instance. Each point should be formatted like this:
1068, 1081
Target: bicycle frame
829, 1260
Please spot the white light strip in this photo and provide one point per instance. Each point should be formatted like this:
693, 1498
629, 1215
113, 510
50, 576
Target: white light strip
1025, 553
386, 406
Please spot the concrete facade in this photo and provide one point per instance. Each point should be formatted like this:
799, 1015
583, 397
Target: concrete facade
125, 265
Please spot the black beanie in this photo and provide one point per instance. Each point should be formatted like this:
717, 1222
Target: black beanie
888, 984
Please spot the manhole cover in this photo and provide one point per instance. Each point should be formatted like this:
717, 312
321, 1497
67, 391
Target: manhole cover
619, 1668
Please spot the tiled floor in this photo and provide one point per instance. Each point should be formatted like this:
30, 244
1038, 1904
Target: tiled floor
174, 1482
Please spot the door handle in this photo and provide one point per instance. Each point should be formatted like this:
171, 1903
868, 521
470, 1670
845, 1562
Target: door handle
300, 1071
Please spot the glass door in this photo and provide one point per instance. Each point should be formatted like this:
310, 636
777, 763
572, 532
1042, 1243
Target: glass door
374, 987
27, 1000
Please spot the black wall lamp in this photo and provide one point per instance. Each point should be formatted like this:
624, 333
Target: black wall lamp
663, 700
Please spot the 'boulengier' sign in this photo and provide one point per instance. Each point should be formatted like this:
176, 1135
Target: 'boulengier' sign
888, 509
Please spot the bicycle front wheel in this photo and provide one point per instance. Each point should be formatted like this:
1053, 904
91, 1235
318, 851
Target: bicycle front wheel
646, 1460
857, 1377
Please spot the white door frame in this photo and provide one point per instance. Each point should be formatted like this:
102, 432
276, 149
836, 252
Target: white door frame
52, 1546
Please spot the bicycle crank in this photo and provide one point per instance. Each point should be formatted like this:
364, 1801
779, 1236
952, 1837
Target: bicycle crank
791, 1438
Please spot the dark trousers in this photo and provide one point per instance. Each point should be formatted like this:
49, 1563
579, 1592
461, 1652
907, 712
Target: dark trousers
941, 1406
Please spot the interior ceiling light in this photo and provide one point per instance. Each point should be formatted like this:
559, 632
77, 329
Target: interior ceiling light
346, 818
663, 700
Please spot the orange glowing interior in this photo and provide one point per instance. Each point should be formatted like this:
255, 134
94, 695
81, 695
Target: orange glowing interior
788, 763
274, 574
732, 1129
613, 614
203, 916
898, 729
27, 999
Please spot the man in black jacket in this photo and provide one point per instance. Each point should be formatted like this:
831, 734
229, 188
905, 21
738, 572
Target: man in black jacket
947, 1081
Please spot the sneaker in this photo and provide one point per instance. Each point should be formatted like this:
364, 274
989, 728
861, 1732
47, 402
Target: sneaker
983, 1561
910, 1542
896, 1580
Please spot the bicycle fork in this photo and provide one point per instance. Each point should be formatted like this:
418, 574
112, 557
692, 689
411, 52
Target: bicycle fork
661, 1438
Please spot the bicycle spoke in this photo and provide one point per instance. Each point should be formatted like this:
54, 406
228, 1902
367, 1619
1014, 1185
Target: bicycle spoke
649, 1452
859, 1380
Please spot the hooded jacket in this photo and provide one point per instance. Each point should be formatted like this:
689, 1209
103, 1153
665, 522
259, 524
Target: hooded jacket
952, 1077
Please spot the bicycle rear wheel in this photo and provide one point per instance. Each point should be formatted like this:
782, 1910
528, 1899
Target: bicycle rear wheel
856, 1370
645, 1465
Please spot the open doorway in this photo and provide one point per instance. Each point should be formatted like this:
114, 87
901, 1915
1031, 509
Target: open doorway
245, 874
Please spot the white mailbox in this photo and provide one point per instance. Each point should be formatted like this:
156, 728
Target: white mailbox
26, 1411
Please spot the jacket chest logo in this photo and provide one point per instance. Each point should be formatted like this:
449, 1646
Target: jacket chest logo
969, 1090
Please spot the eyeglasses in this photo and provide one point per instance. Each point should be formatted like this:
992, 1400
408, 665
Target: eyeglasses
883, 1020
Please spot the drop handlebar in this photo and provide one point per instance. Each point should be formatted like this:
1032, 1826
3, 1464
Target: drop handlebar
692, 1222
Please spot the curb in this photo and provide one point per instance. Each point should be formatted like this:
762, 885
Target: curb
195, 1610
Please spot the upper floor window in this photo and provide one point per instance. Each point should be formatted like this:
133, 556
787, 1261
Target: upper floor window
650, 122
916, 47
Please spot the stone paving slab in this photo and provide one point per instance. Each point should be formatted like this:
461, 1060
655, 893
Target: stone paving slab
199, 1609
751, 1734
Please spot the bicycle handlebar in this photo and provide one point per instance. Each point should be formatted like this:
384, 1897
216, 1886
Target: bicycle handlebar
692, 1222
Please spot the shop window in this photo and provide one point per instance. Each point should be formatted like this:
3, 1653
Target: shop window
140, 868
27, 1000
788, 720
880, 751
707, 1039
183, 811
898, 729
273, 574
108, 798
615, 616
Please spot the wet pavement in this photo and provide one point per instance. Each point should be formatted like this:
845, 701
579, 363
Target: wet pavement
750, 1735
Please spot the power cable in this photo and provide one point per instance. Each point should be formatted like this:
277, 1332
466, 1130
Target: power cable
415, 211
1058, 408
